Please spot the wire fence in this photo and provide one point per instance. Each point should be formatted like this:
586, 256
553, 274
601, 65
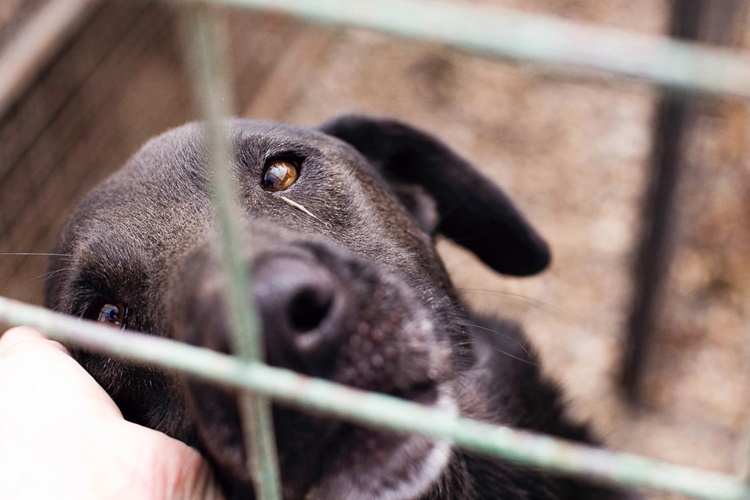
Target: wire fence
555, 455
500, 33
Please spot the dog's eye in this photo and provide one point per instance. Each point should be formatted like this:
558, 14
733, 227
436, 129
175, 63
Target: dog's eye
279, 175
115, 314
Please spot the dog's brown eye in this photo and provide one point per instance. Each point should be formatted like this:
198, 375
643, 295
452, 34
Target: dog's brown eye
279, 175
114, 314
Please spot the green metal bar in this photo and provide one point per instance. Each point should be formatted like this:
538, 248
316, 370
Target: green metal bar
207, 56
539, 39
372, 409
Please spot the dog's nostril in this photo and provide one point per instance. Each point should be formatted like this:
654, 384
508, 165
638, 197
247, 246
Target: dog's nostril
309, 308
301, 305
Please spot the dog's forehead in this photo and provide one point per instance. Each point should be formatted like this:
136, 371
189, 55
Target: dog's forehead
187, 144
267, 131
244, 129
181, 155
167, 182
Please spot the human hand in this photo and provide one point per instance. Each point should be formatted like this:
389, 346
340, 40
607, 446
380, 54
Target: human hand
61, 436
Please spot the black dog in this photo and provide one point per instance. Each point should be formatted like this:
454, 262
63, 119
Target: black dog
340, 224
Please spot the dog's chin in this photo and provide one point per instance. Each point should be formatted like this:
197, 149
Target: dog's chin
412, 468
387, 467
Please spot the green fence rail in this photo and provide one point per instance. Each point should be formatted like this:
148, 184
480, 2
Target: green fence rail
372, 409
538, 39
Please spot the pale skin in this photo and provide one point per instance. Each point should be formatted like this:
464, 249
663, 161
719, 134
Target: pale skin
61, 436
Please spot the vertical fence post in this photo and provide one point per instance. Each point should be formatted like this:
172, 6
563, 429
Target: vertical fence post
695, 20
207, 58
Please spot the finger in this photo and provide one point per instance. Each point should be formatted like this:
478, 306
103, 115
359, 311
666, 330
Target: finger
194, 479
39, 373
25, 337
179, 472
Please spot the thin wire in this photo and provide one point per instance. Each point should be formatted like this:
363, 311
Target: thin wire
207, 56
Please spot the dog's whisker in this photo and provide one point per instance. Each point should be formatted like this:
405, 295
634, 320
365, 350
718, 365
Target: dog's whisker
47, 276
538, 304
33, 254
303, 209
33, 283
509, 337
509, 355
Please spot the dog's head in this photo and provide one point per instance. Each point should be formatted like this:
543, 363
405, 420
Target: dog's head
339, 233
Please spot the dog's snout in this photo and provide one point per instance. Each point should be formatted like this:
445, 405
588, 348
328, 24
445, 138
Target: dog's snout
299, 302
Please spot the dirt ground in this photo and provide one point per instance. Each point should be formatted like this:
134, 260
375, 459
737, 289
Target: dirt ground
573, 155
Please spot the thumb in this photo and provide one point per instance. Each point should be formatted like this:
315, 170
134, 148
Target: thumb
56, 422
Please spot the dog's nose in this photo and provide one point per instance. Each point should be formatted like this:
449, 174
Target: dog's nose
300, 304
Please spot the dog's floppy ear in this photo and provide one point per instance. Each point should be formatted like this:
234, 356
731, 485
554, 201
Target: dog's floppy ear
472, 211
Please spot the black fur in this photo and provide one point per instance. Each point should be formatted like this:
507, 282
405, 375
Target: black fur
351, 289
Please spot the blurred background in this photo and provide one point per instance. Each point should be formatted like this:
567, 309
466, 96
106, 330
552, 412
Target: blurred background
576, 154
